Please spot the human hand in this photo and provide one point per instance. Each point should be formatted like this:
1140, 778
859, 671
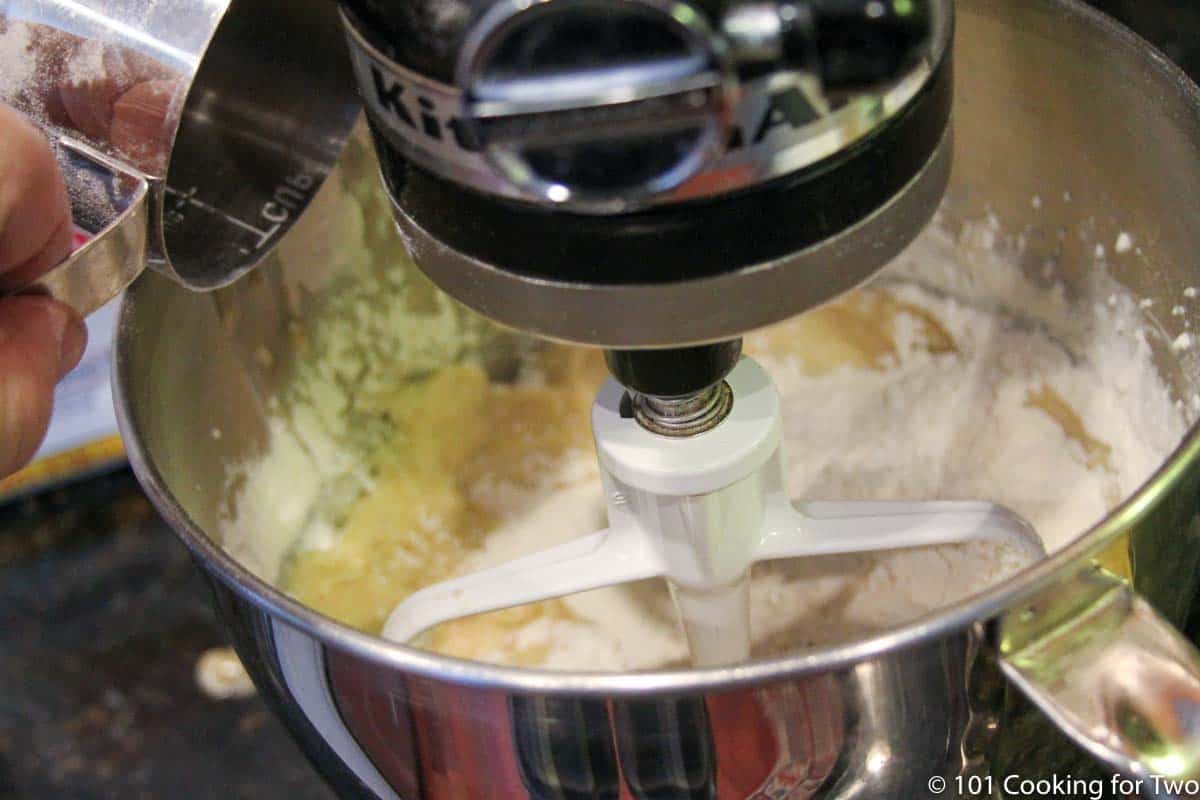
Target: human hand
41, 340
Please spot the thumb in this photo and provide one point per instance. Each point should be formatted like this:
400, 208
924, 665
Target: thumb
40, 341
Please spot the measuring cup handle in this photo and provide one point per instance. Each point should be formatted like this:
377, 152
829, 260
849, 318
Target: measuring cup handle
111, 204
1112, 674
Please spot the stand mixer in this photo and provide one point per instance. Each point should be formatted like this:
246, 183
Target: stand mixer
656, 178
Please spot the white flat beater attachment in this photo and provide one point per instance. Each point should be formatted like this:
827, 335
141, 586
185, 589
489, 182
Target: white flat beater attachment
699, 511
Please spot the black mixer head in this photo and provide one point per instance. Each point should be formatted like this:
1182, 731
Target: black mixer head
655, 173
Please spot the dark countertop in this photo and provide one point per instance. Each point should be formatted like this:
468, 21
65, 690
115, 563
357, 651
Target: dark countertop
102, 620
103, 617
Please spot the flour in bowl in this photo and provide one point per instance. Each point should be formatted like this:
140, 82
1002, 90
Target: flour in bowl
898, 391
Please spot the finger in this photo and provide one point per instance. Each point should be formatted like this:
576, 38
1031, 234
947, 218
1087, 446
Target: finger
34, 208
40, 341
61, 242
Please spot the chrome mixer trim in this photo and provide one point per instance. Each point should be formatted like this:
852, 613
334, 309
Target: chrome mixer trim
781, 123
694, 311
613, 85
688, 93
658, 80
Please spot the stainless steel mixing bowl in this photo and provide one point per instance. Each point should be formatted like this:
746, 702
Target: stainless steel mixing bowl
1052, 98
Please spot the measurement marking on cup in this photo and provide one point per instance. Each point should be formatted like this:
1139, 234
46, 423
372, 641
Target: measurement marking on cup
188, 198
288, 197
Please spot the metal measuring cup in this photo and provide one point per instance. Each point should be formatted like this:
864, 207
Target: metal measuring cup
191, 133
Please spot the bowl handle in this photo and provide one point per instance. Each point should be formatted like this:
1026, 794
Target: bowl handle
1110, 672
110, 204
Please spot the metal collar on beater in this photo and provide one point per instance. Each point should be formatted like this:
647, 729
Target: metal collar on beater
683, 416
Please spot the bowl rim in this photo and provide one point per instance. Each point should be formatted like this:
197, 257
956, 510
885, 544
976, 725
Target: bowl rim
947, 621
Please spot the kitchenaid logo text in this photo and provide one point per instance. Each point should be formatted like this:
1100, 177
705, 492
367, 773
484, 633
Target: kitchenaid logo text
421, 113
421, 116
425, 113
